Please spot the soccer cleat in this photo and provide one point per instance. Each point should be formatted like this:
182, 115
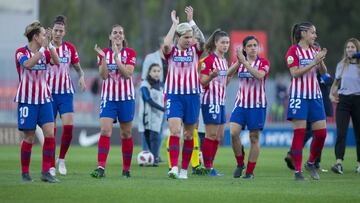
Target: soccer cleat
337, 168
238, 171
52, 171
26, 177
98, 173
289, 162
47, 177
183, 174
126, 174
62, 167
313, 172
299, 176
199, 170
248, 176
214, 172
357, 170
173, 173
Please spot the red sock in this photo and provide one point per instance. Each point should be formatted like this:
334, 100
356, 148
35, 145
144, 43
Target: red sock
240, 160
66, 138
127, 151
250, 167
317, 144
25, 156
48, 153
296, 147
186, 153
174, 150
207, 149
103, 150
215, 148
53, 160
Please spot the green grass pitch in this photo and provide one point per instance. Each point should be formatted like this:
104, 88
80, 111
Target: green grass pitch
273, 181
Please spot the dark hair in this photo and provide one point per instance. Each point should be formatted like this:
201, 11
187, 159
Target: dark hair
296, 31
246, 40
32, 29
214, 37
60, 19
148, 77
124, 41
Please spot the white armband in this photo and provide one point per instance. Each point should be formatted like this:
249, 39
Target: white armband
51, 46
192, 23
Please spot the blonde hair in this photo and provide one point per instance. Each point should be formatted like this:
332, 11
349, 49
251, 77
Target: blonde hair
345, 61
32, 29
183, 28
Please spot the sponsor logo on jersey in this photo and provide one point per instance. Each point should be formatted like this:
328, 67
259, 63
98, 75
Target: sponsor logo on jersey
64, 60
245, 75
182, 59
222, 73
305, 62
39, 67
112, 66
290, 60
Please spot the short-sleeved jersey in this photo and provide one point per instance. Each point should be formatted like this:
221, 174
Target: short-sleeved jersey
251, 92
214, 92
183, 77
32, 88
116, 87
305, 86
59, 75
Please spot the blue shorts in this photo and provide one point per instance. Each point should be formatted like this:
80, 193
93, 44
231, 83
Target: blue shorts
213, 113
184, 106
123, 111
62, 103
252, 118
30, 115
310, 110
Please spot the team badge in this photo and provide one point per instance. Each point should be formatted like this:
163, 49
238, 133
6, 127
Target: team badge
290, 60
214, 116
22, 121
294, 111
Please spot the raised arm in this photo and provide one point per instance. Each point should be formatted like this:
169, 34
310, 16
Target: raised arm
168, 40
102, 66
125, 70
197, 32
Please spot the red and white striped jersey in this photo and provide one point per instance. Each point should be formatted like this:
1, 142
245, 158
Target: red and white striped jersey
214, 92
183, 77
33, 88
116, 87
306, 86
251, 92
59, 76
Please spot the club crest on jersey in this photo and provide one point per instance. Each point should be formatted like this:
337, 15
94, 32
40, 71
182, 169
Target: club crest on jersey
66, 53
293, 111
305, 62
123, 59
22, 121
290, 60
182, 59
189, 53
214, 116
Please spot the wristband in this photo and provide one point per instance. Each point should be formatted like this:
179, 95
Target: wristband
41, 50
50, 46
192, 23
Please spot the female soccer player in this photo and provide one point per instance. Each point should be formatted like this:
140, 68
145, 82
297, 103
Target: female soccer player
305, 100
62, 89
116, 66
213, 78
182, 88
250, 104
34, 97
347, 76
